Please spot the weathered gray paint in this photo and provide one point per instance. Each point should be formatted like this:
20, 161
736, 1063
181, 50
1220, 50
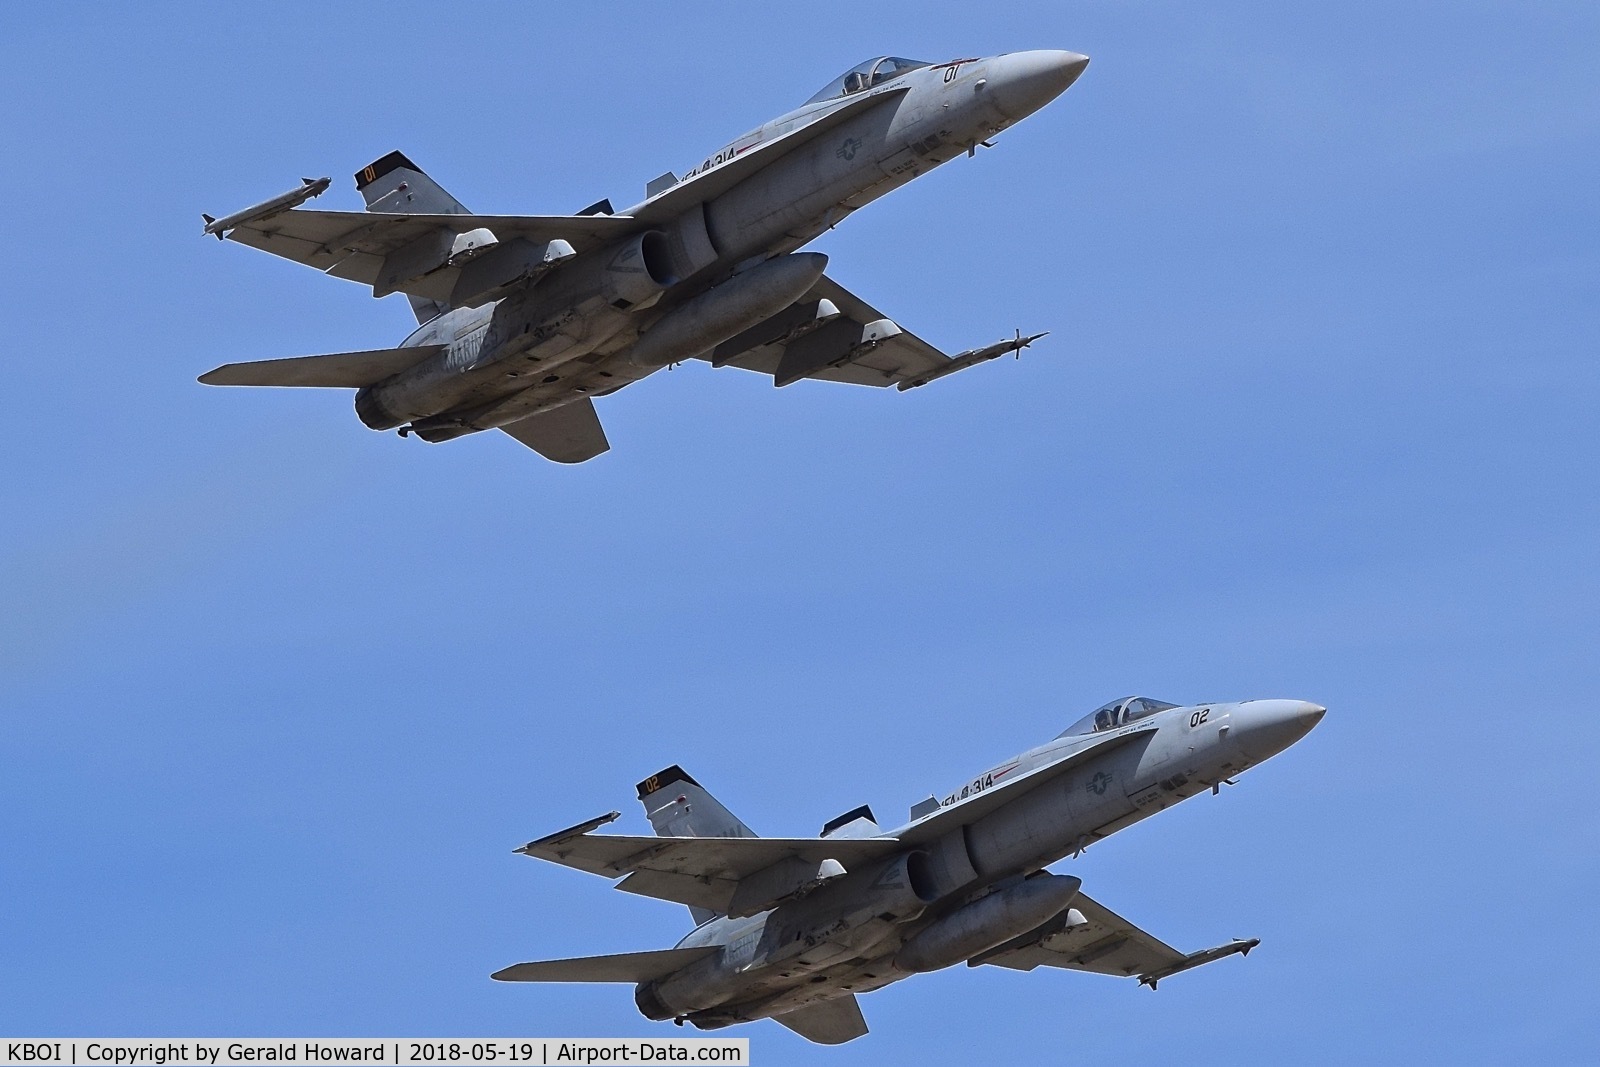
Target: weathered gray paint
960, 881
570, 323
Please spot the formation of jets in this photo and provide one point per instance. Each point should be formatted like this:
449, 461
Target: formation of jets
524, 320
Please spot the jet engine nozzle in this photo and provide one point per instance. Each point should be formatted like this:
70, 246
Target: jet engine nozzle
648, 1001
372, 412
987, 922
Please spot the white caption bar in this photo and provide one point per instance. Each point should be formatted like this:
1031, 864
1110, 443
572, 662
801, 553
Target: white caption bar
314, 1051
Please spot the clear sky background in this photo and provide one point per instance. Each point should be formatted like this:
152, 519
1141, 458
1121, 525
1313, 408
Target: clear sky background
1316, 419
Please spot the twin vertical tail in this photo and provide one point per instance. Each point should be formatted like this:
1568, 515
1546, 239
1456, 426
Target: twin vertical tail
395, 185
678, 806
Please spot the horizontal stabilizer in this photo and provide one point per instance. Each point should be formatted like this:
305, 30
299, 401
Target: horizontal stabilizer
568, 434
623, 967
827, 1022
340, 370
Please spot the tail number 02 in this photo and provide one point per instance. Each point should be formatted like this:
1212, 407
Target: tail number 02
1199, 717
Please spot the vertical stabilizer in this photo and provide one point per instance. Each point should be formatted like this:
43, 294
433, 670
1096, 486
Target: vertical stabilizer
827, 1022
396, 185
678, 806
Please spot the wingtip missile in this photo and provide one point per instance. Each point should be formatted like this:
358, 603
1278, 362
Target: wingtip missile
532, 847
309, 187
1238, 946
972, 357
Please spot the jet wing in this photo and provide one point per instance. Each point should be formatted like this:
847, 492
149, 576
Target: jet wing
357, 245
1091, 937
702, 872
833, 335
827, 1022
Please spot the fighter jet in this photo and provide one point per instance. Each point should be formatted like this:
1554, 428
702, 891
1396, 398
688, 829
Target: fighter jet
524, 320
793, 929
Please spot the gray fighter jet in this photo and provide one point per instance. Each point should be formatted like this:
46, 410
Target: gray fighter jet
525, 319
792, 929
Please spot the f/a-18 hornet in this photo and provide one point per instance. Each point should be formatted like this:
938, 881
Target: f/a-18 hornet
791, 929
523, 320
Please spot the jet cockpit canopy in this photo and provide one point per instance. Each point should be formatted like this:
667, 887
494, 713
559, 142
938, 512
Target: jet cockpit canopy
1115, 714
864, 76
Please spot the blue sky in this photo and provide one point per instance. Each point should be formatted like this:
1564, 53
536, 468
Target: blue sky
1316, 419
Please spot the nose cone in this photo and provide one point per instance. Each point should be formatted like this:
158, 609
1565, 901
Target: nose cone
1263, 728
1023, 82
